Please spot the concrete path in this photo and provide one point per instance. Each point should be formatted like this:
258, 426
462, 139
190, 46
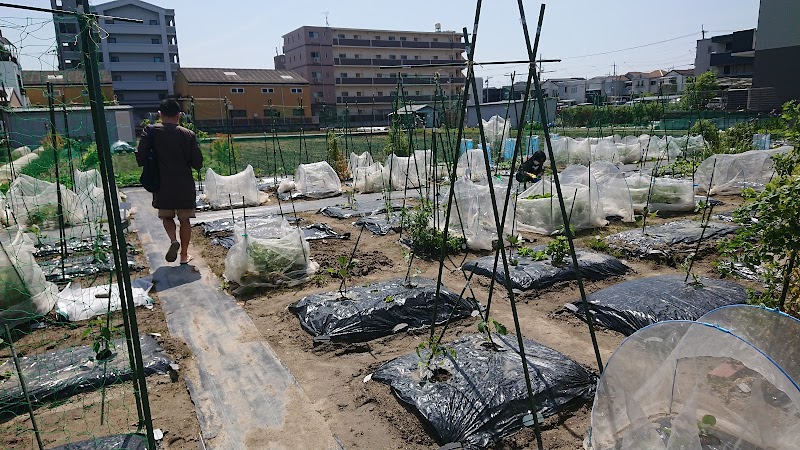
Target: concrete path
244, 396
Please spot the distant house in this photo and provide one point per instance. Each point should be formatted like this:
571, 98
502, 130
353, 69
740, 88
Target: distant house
9, 98
248, 95
674, 81
643, 83
728, 55
422, 113
573, 89
606, 89
69, 86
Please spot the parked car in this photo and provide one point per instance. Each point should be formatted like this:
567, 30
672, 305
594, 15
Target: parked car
716, 103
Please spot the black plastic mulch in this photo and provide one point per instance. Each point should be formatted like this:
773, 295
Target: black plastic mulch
669, 240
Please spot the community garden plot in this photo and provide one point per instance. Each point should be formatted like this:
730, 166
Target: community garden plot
657, 194
538, 208
235, 190
670, 240
529, 273
631, 305
694, 385
363, 313
478, 393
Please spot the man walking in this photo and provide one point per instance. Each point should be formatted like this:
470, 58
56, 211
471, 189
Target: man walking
177, 152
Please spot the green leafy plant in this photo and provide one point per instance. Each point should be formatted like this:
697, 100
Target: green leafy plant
557, 250
597, 244
430, 363
769, 244
425, 239
538, 196
536, 255
271, 266
706, 423
389, 299
336, 157
43, 214
343, 270
486, 327
101, 333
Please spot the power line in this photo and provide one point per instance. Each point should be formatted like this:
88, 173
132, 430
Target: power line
630, 48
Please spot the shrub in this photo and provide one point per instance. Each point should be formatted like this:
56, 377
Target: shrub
709, 131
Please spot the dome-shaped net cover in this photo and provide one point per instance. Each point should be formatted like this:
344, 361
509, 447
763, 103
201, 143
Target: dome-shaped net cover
222, 191
317, 180
690, 385
615, 198
732, 173
664, 194
8, 172
538, 209
409, 171
358, 161
24, 291
615, 149
471, 164
372, 178
91, 198
496, 130
567, 150
35, 202
775, 333
271, 253
474, 208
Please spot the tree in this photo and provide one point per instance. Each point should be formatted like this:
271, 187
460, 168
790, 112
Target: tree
699, 91
769, 238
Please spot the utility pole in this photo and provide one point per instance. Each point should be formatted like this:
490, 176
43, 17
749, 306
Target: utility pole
703, 31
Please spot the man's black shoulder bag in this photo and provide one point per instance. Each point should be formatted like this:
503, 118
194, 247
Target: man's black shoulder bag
150, 178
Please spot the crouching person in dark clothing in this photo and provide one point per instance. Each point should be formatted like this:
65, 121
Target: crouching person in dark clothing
177, 152
532, 169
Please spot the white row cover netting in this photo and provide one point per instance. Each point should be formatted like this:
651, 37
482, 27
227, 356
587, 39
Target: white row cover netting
409, 171
660, 194
10, 170
317, 180
473, 204
24, 291
5, 213
35, 202
471, 165
91, 198
358, 161
732, 173
624, 150
496, 130
372, 178
271, 253
20, 152
615, 198
222, 190
538, 208
715, 383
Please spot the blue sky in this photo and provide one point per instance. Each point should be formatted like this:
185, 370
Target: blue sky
245, 33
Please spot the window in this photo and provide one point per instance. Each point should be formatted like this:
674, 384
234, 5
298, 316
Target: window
356, 36
377, 38
116, 77
342, 55
379, 75
238, 113
416, 39
380, 93
377, 56
267, 90
435, 39
315, 54
161, 77
392, 56
357, 56
114, 58
403, 57
358, 75
345, 94
297, 90
652, 82
111, 40
574, 89
416, 93
153, 21
416, 56
343, 75
340, 36
391, 38
313, 34
155, 40
435, 57
237, 90
318, 94
358, 93
402, 38
158, 59
727, 70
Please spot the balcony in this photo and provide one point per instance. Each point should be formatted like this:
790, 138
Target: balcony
368, 100
144, 85
142, 66
133, 28
391, 81
391, 62
382, 43
121, 47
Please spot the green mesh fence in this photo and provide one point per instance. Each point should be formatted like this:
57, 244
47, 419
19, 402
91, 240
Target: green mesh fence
71, 362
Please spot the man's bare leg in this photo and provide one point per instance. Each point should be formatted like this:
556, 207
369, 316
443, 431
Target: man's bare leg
169, 227
186, 236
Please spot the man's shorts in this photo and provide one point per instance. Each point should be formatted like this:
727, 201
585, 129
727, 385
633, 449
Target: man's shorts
182, 214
